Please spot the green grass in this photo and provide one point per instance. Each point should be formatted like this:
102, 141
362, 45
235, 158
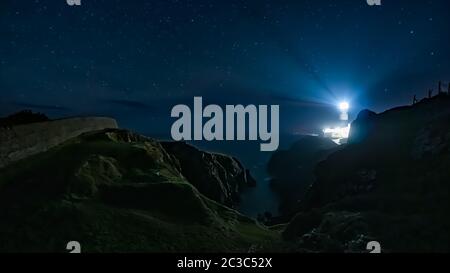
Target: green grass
113, 194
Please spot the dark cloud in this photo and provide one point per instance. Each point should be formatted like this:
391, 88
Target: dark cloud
129, 104
40, 107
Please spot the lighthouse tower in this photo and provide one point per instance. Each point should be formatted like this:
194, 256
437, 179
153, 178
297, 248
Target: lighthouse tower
339, 134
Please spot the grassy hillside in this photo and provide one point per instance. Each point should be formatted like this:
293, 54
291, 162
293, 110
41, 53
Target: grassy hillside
114, 191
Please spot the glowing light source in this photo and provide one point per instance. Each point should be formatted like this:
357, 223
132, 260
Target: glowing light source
337, 134
344, 106
340, 133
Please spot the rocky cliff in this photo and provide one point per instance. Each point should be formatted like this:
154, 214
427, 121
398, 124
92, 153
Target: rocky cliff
220, 177
23, 140
116, 191
390, 184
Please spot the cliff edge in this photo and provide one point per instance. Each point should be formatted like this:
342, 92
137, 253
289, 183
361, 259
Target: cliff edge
23, 140
390, 184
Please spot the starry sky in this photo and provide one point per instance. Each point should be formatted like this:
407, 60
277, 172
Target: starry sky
134, 59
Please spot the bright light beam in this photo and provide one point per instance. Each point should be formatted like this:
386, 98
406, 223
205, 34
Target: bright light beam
344, 106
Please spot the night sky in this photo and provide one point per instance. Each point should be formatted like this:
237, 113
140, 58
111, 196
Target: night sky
134, 60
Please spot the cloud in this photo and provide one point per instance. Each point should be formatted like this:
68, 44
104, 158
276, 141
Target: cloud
43, 107
157, 108
129, 103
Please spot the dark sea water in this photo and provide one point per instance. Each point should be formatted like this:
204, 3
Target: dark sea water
255, 200
261, 198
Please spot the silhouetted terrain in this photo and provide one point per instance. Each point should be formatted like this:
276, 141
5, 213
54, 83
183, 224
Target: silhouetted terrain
116, 191
292, 170
23, 117
391, 183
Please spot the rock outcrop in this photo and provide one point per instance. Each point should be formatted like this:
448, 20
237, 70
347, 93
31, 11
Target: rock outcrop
220, 177
362, 127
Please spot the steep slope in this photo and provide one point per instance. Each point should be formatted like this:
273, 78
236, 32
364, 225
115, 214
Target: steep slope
292, 170
115, 191
220, 177
390, 183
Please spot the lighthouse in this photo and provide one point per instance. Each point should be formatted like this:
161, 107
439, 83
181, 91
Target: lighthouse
339, 134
